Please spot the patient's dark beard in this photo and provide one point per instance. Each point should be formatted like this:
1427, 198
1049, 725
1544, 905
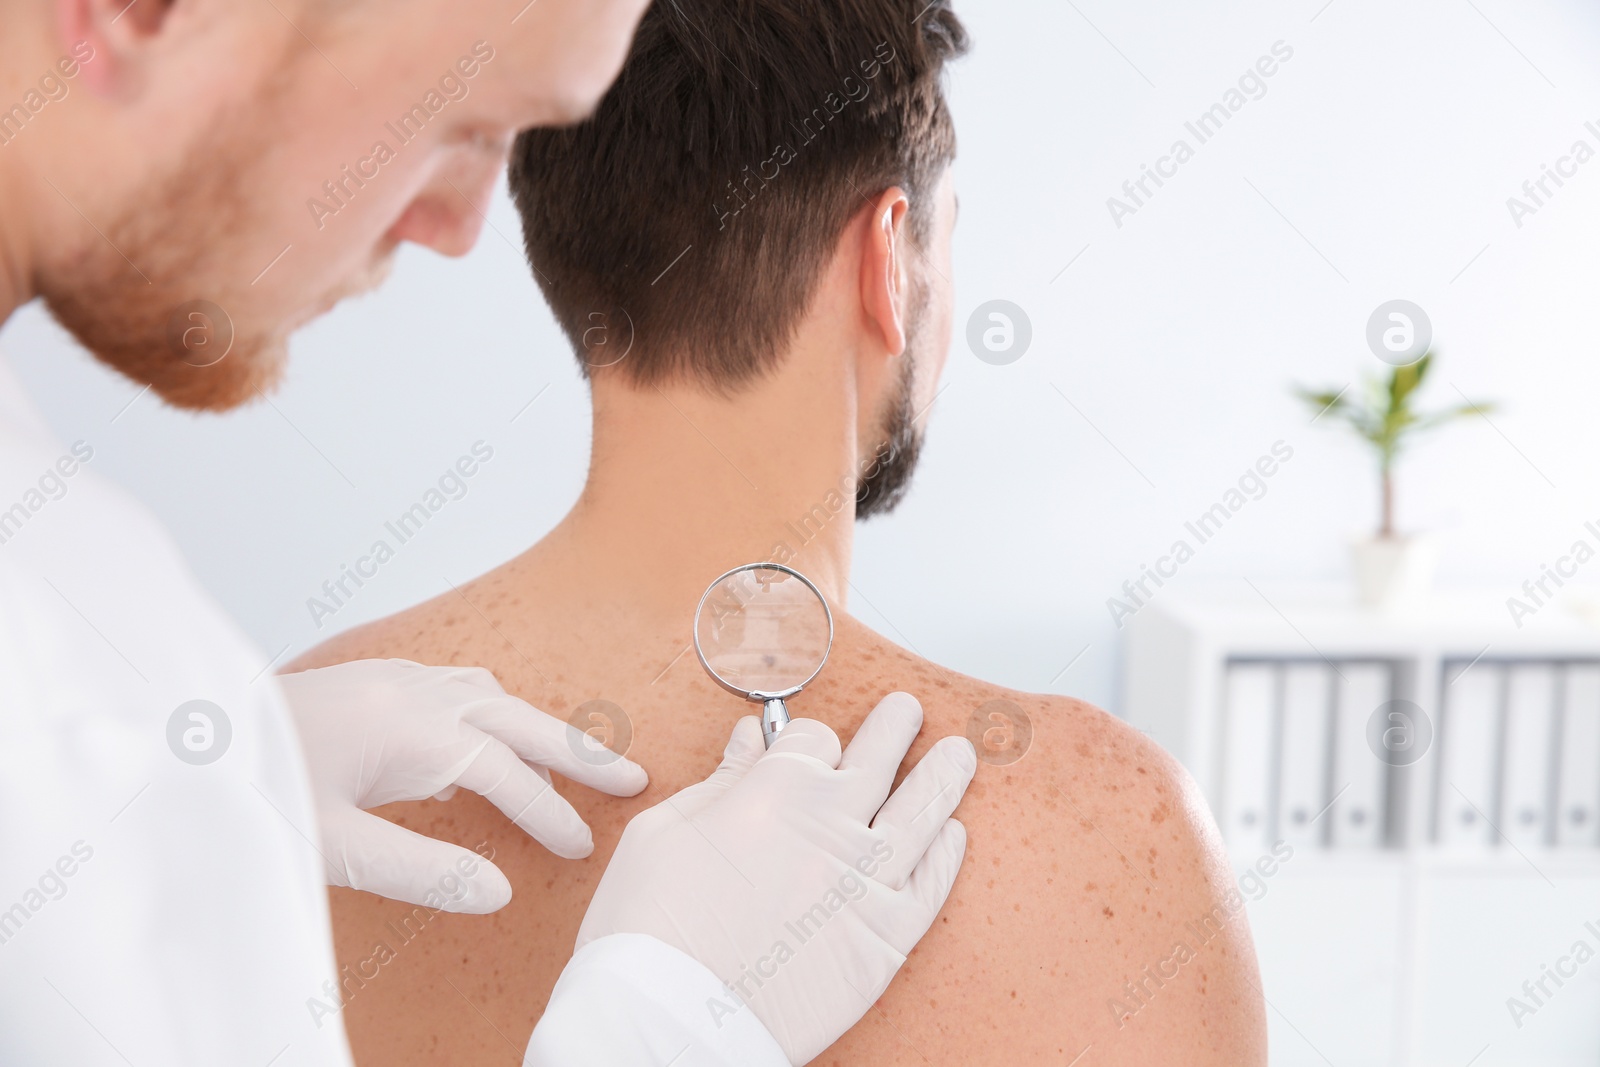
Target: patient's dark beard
887, 476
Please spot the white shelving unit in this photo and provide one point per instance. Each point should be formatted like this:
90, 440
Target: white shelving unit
1424, 889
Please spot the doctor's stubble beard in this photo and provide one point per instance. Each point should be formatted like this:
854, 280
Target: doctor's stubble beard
178, 234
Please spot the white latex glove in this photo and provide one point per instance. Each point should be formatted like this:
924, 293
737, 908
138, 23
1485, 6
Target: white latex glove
788, 875
379, 731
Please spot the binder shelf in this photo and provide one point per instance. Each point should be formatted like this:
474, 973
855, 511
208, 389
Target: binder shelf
1307, 719
1425, 787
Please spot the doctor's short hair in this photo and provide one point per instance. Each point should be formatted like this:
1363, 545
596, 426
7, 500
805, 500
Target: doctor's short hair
681, 231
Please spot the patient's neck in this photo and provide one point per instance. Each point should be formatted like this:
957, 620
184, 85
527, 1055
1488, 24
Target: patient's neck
684, 484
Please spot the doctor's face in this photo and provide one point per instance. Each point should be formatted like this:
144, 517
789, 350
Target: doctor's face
269, 159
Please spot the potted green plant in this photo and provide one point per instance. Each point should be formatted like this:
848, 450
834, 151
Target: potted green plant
1392, 569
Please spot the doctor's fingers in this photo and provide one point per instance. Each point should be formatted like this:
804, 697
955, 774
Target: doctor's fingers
528, 799
913, 817
910, 911
581, 755
377, 856
877, 749
478, 677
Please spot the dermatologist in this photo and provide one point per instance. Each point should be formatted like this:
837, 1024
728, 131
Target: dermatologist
184, 183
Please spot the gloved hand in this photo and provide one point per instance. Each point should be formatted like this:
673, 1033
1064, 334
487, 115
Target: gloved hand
788, 876
380, 731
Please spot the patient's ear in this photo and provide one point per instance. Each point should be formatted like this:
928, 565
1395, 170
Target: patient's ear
883, 268
109, 39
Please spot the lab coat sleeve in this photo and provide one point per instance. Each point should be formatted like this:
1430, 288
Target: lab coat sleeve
631, 999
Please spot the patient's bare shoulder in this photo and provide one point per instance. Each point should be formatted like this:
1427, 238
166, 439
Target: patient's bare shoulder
1096, 895
429, 632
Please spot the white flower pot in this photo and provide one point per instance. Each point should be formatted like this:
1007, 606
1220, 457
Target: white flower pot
1394, 572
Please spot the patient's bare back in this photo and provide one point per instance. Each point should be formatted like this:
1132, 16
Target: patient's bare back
1094, 916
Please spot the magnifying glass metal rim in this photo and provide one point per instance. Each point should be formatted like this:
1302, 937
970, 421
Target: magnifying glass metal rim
774, 714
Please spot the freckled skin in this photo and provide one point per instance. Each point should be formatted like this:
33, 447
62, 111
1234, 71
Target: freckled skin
1048, 921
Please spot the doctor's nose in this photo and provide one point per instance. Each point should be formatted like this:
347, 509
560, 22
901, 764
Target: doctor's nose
447, 215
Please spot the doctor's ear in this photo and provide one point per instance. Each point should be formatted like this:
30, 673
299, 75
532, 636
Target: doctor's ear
108, 39
884, 281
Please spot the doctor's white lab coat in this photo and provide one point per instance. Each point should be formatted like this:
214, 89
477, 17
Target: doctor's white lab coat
162, 899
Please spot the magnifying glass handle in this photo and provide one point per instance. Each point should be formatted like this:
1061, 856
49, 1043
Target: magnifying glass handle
774, 717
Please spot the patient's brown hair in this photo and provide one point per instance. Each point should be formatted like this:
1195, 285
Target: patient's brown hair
688, 220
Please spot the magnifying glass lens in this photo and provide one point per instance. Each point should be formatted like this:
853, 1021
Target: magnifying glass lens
762, 630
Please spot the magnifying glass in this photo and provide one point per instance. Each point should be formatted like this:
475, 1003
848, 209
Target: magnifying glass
763, 631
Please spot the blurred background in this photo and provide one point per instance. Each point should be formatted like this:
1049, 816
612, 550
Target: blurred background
1374, 164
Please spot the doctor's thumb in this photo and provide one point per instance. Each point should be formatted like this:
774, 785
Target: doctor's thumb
391, 861
744, 748
808, 737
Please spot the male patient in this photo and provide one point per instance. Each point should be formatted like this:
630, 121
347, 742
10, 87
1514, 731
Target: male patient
749, 247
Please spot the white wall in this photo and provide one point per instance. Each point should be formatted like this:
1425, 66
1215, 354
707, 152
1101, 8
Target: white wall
1389, 143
